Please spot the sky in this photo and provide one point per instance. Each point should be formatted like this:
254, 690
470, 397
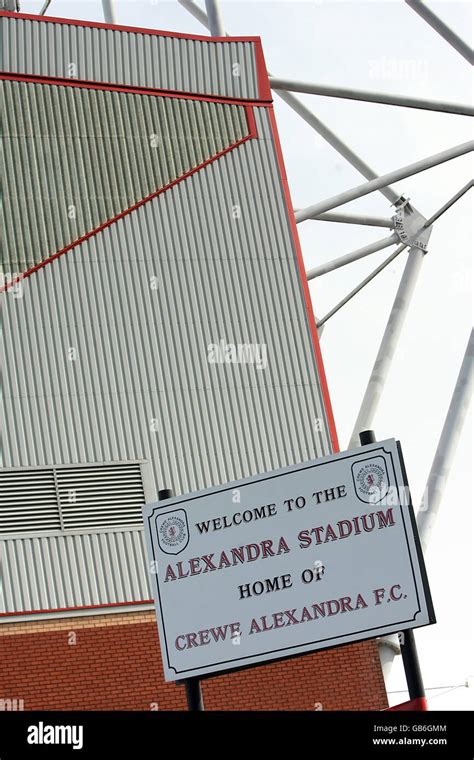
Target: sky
385, 47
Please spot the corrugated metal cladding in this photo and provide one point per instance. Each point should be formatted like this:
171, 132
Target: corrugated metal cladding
45, 48
109, 351
74, 158
212, 259
54, 572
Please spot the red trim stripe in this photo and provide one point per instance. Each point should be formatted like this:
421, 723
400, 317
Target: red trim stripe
70, 609
304, 282
251, 123
127, 211
137, 90
264, 89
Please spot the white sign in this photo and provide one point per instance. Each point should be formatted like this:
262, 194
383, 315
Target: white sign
309, 557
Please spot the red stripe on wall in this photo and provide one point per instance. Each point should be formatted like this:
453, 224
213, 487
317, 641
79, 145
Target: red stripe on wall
71, 609
251, 123
304, 283
264, 89
136, 90
114, 219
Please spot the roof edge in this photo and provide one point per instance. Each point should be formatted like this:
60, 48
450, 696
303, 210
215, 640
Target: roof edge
123, 28
263, 82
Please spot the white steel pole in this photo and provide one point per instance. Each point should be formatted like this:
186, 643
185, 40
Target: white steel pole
447, 445
310, 118
370, 221
388, 345
108, 7
397, 316
360, 253
385, 179
216, 24
442, 29
449, 203
388, 646
195, 11
404, 101
321, 322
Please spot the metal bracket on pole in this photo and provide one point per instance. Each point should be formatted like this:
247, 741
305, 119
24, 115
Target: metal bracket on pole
396, 319
410, 226
384, 180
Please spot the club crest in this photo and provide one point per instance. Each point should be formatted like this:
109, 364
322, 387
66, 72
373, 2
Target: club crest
371, 479
173, 532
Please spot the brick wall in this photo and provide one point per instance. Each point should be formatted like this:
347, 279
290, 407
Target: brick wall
115, 664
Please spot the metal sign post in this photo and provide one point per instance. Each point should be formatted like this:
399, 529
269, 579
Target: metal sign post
192, 685
408, 649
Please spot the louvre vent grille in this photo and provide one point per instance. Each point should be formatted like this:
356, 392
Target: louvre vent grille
71, 498
28, 501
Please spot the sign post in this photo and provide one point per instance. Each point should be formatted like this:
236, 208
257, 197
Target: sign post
192, 685
411, 663
313, 556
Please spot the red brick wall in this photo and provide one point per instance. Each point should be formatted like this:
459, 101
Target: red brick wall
115, 664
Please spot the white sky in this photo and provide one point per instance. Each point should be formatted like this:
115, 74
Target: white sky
387, 47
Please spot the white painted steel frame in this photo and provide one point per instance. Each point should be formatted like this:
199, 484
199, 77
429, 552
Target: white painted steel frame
292, 85
321, 322
109, 11
216, 24
310, 119
450, 434
384, 180
397, 316
410, 275
370, 221
360, 253
439, 26
459, 402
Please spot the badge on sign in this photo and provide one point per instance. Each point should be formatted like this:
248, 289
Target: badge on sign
173, 532
370, 479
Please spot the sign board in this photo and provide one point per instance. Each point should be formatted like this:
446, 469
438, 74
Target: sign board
304, 558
